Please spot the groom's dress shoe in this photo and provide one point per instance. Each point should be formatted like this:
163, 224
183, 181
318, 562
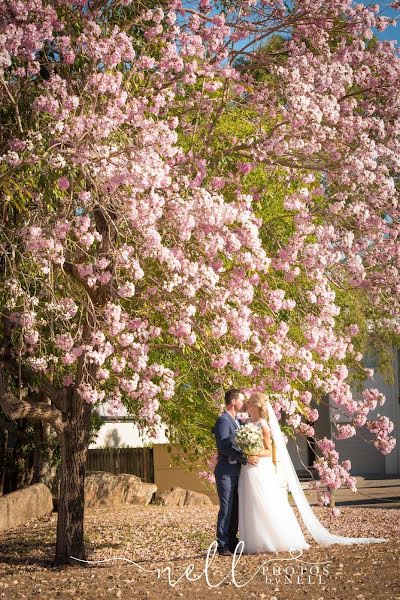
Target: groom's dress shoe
225, 552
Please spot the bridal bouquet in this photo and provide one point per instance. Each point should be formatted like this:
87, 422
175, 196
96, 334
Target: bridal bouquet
248, 439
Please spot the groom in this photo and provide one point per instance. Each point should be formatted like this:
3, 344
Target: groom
227, 470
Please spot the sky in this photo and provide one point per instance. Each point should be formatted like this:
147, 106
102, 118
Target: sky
391, 33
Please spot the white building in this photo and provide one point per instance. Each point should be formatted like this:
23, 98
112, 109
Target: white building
121, 431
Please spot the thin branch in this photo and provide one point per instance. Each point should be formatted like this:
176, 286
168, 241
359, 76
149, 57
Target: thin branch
70, 269
15, 103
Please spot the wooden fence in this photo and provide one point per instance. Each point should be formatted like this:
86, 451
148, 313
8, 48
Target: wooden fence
137, 461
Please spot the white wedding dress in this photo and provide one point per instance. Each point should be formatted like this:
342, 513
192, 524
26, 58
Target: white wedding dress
267, 522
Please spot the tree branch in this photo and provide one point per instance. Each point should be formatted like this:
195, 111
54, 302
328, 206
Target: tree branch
71, 270
30, 376
22, 409
15, 103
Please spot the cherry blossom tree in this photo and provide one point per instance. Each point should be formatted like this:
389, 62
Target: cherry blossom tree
141, 261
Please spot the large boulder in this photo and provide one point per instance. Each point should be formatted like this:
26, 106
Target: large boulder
197, 499
22, 505
177, 496
107, 489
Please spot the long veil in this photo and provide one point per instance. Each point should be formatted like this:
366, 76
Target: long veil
320, 534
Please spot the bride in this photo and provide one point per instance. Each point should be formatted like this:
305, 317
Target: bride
267, 522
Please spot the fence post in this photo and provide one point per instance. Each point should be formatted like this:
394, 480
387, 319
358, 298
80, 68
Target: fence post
145, 465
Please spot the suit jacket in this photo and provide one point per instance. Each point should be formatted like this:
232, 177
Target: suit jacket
224, 432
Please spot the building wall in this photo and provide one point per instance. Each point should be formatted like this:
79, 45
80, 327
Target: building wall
298, 450
364, 457
322, 426
167, 475
393, 412
117, 433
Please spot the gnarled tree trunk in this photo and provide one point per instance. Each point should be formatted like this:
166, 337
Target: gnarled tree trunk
70, 418
3, 451
71, 502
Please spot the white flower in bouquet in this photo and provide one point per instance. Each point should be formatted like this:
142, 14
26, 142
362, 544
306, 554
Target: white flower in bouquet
248, 439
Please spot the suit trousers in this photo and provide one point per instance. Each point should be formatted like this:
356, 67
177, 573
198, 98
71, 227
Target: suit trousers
227, 479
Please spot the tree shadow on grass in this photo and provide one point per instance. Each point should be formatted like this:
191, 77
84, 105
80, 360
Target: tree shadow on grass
38, 554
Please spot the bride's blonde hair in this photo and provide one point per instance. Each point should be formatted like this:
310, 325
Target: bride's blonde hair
259, 399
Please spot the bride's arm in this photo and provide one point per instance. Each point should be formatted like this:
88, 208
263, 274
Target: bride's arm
267, 442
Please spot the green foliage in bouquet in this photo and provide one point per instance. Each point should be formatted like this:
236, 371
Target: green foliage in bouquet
248, 439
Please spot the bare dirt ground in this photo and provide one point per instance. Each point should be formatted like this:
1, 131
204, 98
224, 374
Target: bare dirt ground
163, 542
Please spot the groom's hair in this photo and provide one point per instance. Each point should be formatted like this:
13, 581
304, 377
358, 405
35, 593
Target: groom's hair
232, 394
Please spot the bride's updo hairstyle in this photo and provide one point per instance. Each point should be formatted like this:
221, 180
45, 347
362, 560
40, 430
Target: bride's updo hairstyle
259, 399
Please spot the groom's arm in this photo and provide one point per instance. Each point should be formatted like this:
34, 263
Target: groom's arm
225, 442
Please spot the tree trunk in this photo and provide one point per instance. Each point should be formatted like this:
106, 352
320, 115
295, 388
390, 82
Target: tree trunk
21, 458
71, 501
43, 469
3, 454
70, 417
38, 452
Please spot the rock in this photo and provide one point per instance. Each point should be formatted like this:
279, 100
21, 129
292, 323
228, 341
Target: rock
177, 496
25, 504
107, 489
197, 499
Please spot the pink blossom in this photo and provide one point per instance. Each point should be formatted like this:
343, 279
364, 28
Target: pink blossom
127, 290
63, 183
89, 394
186, 233
344, 432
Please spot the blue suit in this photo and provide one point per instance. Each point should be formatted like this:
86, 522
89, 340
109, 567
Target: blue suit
230, 459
